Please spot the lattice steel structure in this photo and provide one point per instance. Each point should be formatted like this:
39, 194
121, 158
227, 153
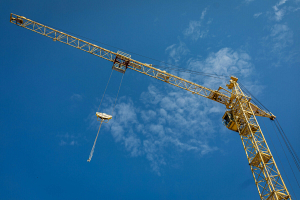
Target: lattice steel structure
240, 115
267, 178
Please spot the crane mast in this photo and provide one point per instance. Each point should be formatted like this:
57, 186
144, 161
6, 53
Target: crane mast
240, 115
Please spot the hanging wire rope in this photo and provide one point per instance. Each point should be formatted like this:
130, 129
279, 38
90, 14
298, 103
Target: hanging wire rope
297, 158
105, 90
92, 151
285, 155
280, 160
288, 147
117, 94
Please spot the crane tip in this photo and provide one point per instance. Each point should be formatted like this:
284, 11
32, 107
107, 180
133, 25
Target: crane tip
272, 117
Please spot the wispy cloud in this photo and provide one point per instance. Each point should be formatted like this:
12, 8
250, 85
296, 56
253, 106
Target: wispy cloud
176, 52
76, 97
281, 36
279, 13
203, 13
171, 118
196, 30
67, 139
256, 15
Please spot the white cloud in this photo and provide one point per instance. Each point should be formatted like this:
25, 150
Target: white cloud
281, 37
171, 118
62, 143
196, 30
256, 15
76, 97
225, 62
73, 142
281, 2
279, 13
148, 115
176, 52
175, 120
203, 13
68, 139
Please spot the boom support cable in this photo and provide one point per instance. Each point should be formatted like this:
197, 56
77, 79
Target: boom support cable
297, 158
286, 155
280, 160
254, 98
290, 148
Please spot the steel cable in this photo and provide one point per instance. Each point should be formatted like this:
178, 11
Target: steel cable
286, 156
280, 160
92, 151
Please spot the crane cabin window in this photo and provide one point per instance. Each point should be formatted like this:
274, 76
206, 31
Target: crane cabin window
229, 122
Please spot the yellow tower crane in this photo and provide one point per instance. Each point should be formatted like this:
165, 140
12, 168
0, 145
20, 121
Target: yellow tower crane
240, 115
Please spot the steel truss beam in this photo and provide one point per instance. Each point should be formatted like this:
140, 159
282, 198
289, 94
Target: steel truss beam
267, 178
216, 95
264, 169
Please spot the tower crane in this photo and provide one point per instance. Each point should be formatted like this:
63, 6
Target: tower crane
240, 115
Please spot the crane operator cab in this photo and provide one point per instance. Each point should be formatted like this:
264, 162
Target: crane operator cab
229, 122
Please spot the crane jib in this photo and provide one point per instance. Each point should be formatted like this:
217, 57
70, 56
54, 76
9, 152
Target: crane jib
240, 115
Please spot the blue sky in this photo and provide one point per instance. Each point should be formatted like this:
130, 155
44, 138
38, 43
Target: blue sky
163, 143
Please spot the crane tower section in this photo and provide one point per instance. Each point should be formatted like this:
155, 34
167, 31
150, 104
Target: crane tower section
241, 118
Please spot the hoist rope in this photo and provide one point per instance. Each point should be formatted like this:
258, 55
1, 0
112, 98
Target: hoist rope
280, 160
92, 151
105, 90
117, 94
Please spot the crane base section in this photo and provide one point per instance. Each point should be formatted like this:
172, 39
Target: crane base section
103, 116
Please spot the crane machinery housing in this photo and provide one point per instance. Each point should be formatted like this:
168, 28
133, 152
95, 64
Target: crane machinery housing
240, 115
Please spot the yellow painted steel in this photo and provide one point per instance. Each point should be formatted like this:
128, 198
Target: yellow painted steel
267, 178
240, 115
